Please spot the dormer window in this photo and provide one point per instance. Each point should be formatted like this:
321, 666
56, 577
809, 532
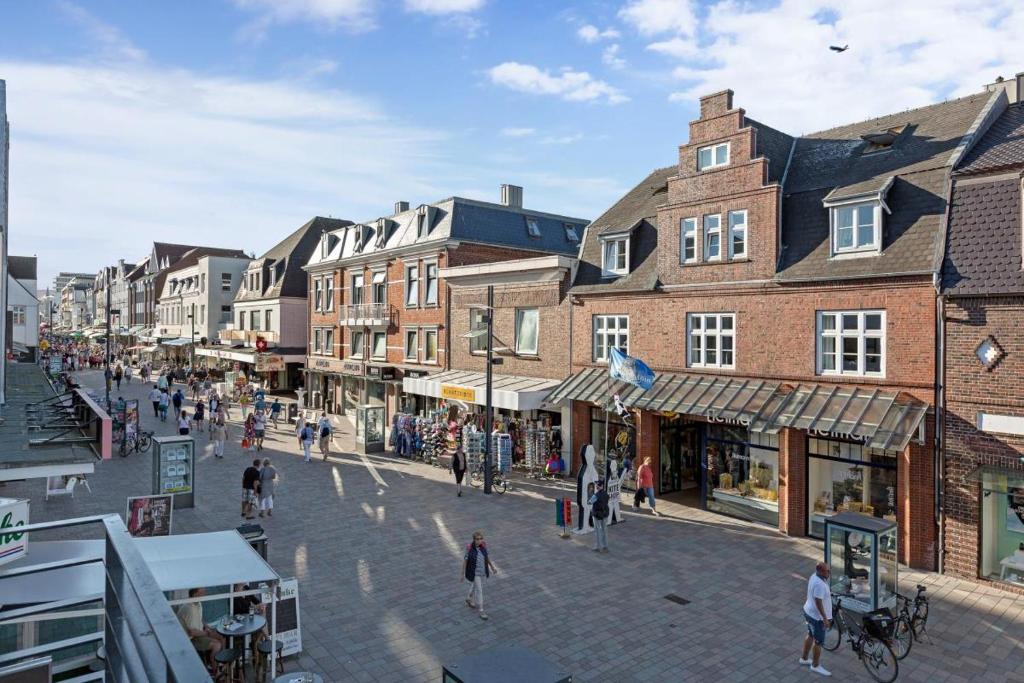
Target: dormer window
382, 232
856, 228
532, 227
713, 156
570, 233
615, 256
324, 245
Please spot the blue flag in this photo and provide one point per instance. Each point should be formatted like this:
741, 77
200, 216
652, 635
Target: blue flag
629, 369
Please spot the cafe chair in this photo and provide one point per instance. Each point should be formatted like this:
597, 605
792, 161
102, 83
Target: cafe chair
264, 655
226, 671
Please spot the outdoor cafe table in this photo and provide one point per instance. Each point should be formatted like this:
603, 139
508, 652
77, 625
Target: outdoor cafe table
300, 677
246, 625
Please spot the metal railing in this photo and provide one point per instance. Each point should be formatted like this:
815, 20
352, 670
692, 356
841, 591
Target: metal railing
142, 638
366, 314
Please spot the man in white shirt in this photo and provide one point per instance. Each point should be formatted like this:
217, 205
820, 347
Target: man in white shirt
205, 639
818, 615
154, 396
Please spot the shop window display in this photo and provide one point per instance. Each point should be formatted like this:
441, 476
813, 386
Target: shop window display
620, 435
743, 473
1002, 527
848, 477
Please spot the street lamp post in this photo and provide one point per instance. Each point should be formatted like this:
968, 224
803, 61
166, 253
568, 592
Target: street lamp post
488, 417
106, 372
192, 346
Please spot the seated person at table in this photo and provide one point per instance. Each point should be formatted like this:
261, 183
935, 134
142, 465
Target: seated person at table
204, 638
240, 603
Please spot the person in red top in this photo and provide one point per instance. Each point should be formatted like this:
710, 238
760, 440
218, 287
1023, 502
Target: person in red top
645, 483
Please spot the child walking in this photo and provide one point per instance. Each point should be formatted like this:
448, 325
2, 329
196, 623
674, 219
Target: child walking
476, 566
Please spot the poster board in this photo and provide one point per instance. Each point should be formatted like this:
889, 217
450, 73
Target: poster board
56, 364
117, 429
131, 419
13, 514
149, 515
289, 630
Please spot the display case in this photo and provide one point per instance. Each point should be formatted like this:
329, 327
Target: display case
174, 468
861, 553
369, 429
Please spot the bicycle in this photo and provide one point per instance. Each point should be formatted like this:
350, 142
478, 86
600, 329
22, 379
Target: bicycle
869, 639
139, 443
910, 627
499, 482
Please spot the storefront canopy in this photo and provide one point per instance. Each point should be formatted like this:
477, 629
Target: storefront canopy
592, 385
718, 398
180, 341
508, 392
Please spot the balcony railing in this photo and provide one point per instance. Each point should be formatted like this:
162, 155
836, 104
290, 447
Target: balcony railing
366, 315
234, 336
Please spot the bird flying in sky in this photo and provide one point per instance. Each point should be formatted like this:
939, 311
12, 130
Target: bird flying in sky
836, 48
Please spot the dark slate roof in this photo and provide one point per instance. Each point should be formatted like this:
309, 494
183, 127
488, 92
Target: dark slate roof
773, 144
294, 251
638, 209
499, 225
983, 247
22, 267
1002, 145
918, 161
172, 251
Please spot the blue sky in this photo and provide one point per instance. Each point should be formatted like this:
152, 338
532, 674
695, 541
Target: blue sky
231, 122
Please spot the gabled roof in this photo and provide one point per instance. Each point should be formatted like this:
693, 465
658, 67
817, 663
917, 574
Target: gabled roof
636, 211
192, 256
290, 254
773, 145
22, 267
838, 162
1001, 147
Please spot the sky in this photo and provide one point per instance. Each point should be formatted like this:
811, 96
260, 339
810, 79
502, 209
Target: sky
232, 122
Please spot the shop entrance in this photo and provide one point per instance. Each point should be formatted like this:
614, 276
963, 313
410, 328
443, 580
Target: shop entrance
680, 460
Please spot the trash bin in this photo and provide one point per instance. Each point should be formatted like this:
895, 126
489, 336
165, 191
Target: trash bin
293, 412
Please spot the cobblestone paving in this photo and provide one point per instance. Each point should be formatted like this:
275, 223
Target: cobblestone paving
377, 545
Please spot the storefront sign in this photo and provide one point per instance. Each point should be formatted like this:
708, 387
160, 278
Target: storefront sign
329, 364
352, 368
289, 630
13, 514
269, 363
380, 373
457, 393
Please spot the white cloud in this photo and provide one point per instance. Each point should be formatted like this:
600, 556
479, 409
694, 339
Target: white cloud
574, 86
778, 62
610, 56
654, 17
110, 39
589, 33
679, 48
443, 6
518, 132
562, 139
353, 15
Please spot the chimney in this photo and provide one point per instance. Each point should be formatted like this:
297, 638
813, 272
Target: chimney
1014, 88
401, 206
512, 195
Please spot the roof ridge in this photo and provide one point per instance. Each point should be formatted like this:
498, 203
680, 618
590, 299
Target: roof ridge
983, 93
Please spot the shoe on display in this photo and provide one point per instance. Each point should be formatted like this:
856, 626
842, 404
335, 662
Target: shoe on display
821, 670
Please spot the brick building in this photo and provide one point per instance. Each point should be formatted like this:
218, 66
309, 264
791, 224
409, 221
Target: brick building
783, 290
379, 305
983, 350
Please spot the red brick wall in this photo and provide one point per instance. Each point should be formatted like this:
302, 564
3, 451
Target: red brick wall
324, 319
970, 389
793, 482
915, 504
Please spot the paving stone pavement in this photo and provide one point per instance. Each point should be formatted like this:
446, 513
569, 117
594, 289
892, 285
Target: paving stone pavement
377, 544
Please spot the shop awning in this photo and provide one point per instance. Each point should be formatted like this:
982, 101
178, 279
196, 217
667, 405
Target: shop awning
732, 399
996, 478
136, 329
877, 417
180, 341
508, 392
148, 349
593, 385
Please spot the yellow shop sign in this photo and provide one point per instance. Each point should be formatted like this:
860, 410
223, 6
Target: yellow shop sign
457, 393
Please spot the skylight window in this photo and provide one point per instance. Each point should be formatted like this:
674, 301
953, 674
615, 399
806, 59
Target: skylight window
570, 233
532, 227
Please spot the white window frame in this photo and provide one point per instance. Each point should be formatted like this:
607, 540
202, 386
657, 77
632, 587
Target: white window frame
708, 232
521, 314
473, 326
437, 341
318, 341
328, 341
225, 282
352, 350
373, 344
713, 150
621, 254
427, 265
329, 293
318, 294
608, 327
736, 227
700, 329
687, 231
412, 278
411, 353
838, 333
358, 281
383, 285
868, 248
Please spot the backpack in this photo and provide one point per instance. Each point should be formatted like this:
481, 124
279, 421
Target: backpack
600, 508
325, 432
307, 433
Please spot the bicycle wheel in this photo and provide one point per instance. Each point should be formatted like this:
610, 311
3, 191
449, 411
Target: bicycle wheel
878, 658
125, 449
500, 484
919, 620
833, 637
903, 637
476, 478
145, 441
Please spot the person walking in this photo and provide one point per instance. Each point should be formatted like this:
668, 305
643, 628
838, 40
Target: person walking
259, 428
599, 511
108, 379
275, 411
200, 415
194, 385
459, 469
128, 374
118, 376
818, 615
177, 399
324, 432
154, 397
300, 422
161, 382
249, 432
306, 439
645, 483
219, 435
476, 566
245, 400
268, 481
165, 402
225, 405
184, 424
250, 477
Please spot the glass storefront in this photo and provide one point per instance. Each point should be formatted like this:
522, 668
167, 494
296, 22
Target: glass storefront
742, 473
680, 455
620, 436
352, 395
1002, 526
375, 392
844, 476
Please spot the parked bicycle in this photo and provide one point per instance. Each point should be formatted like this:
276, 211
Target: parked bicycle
910, 626
139, 443
869, 635
499, 482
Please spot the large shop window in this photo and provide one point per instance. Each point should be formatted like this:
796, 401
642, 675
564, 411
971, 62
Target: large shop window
1002, 525
712, 339
848, 477
851, 343
610, 332
743, 473
620, 436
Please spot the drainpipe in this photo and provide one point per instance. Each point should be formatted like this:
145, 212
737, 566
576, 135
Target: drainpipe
940, 423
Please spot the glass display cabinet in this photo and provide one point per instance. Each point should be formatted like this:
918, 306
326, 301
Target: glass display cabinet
369, 429
861, 552
174, 468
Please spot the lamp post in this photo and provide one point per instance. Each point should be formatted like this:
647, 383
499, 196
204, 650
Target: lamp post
488, 417
106, 372
192, 346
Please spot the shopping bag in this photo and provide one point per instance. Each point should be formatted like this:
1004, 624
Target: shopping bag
245, 443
